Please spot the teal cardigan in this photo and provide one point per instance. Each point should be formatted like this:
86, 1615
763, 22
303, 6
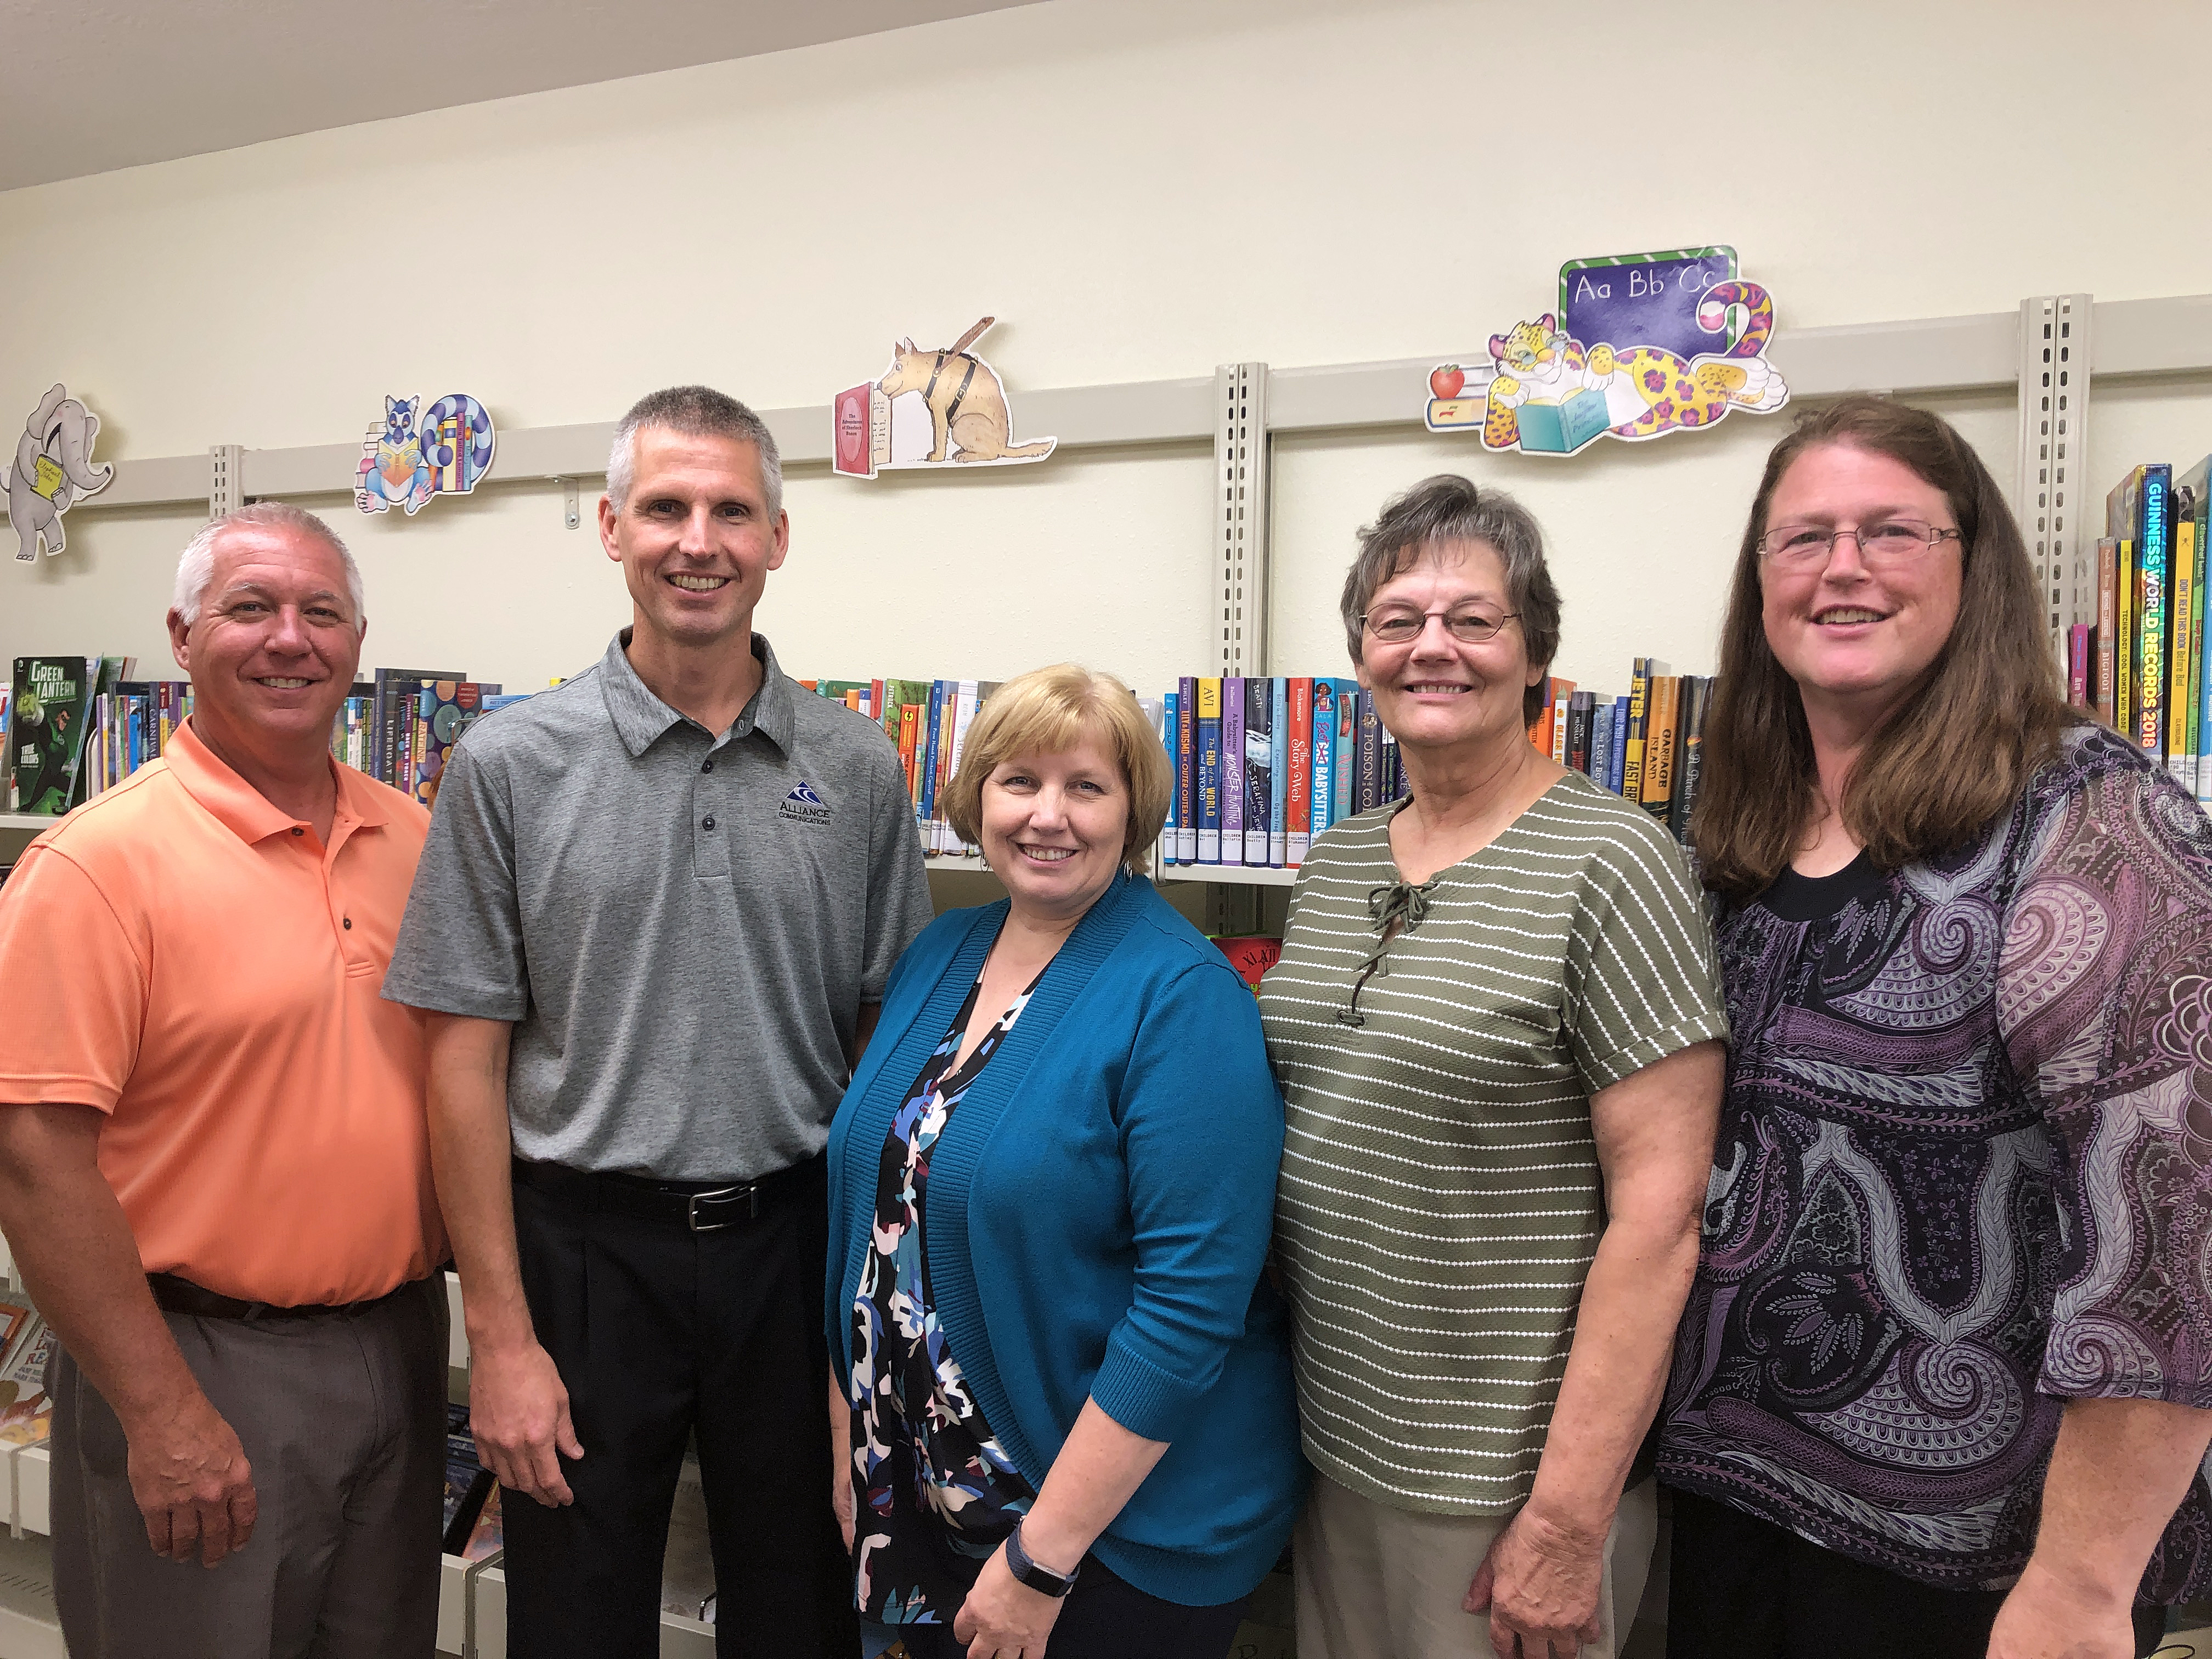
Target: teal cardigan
1099, 1213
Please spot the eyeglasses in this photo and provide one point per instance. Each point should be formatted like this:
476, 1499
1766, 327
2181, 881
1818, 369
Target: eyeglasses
1468, 627
1890, 543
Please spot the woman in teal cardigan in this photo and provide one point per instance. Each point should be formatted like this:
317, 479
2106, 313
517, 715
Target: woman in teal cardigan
1057, 1368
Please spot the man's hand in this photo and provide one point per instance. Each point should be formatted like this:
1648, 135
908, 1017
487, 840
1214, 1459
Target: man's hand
193, 1486
1539, 1584
519, 1412
1003, 1617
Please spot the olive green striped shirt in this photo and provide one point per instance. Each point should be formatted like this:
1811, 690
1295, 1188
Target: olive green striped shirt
1440, 1199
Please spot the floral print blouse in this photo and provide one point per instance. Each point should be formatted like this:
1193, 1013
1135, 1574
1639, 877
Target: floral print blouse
936, 1493
1964, 1174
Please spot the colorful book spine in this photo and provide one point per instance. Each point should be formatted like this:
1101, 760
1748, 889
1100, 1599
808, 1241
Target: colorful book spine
1617, 763
1689, 753
2154, 552
1661, 705
1600, 766
1347, 749
1234, 760
2180, 759
1324, 755
2108, 627
1186, 766
1576, 757
1539, 729
1171, 831
1561, 705
2077, 664
910, 740
1207, 740
1639, 708
1298, 795
1367, 785
1278, 772
2127, 640
932, 749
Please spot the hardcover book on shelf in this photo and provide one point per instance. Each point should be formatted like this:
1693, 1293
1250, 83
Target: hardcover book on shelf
1662, 702
50, 705
2138, 506
1324, 756
1617, 765
1186, 758
1299, 797
2108, 627
1348, 749
1600, 768
1367, 787
1171, 831
1689, 752
1562, 700
1278, 772
1259, 768
1233, 763
1641, 672
2180, 760
1207, 764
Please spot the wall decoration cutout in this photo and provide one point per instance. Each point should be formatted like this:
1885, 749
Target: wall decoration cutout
405, 461
931, 408
53, 471
1641, 345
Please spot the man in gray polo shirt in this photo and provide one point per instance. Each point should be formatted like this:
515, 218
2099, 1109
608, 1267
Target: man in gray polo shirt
652, 924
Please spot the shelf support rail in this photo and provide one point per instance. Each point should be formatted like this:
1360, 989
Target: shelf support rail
2055, 347
1240, 516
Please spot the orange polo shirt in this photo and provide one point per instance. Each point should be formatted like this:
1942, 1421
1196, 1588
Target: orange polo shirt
186, 958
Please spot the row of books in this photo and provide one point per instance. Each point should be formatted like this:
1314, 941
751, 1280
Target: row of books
1647, 746
1262, 765
73, 726
2144, 666
27, 1343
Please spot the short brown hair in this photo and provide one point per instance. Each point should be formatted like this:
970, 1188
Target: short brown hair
1954, 754
1048, 711
1438, 511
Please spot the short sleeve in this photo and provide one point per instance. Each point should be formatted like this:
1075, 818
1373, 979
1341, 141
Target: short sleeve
460, 946
74, 985
1641, 979
899, 905
2105, 1007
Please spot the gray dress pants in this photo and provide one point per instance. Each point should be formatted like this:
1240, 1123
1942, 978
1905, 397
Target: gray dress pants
342, 1418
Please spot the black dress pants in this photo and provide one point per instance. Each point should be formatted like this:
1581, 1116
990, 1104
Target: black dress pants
1742, 1588
659, 1331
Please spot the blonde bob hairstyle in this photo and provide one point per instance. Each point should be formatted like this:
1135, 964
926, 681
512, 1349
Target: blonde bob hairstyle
1049, 711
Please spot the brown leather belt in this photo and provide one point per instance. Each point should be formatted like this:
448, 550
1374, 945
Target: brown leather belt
700, 1207
175, 1295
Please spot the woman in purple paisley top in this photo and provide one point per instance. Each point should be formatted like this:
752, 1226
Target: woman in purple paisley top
1944, 1385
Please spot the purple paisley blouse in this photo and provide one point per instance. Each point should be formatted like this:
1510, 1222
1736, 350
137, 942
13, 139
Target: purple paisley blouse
1964, 1174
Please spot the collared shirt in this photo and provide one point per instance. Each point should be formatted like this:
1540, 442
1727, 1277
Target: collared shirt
681, 927
187, 958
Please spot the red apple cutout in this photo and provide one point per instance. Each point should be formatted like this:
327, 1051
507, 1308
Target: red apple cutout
1446, 382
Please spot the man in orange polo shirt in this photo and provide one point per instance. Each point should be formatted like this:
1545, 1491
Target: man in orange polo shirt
214, 1164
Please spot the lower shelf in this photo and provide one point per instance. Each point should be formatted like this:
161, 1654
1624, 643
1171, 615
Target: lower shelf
30, 1628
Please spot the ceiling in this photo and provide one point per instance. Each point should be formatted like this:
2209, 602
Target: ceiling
87, 85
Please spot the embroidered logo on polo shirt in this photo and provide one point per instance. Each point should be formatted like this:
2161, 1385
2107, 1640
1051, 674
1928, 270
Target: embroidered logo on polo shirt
803, 805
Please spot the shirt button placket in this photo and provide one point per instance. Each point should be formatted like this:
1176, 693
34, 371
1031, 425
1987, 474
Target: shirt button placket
710, 845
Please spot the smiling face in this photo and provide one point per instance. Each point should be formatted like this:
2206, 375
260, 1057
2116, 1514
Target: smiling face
1053, 826
273, 651
1437, 692
1857, 641
694, 539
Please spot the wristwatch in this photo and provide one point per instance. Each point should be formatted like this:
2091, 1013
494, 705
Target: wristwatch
1027, 1572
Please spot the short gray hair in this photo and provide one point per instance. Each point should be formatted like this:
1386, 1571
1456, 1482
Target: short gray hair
696, 411
196, 568
1438, 511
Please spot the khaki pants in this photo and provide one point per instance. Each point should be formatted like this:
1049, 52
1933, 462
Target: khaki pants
342, 1418
1374, 1582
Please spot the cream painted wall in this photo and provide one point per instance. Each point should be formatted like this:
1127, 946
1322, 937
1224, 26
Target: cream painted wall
1142, 188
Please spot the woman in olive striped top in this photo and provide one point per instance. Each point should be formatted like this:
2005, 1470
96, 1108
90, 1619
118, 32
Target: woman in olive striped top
1497, 1030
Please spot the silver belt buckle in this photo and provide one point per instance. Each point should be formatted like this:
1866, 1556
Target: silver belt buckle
691, 1210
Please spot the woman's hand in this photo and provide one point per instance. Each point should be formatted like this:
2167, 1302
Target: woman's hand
1539, 1584
1003, 1617
2046, 1617
841, 1460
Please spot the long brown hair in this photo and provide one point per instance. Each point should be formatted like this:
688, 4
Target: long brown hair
1953, 754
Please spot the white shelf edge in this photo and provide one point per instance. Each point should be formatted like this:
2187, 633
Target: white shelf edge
32, 1469
33, 822
1230, 875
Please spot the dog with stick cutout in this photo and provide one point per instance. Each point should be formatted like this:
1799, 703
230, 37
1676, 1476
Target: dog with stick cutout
967, 401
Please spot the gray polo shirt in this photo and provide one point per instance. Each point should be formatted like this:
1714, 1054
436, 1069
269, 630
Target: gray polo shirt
681, 928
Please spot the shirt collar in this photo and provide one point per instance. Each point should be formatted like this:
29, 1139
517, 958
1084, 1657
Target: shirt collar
642, 718
245, 811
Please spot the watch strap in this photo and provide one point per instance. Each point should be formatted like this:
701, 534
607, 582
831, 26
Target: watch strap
1026, 1572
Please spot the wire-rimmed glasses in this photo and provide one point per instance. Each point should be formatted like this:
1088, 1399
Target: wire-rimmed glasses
1887, 542
1469, 624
